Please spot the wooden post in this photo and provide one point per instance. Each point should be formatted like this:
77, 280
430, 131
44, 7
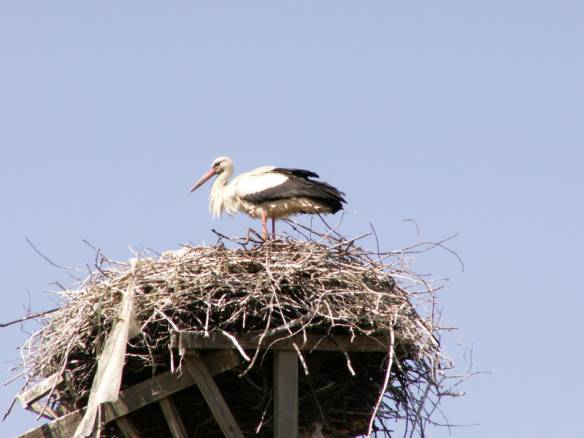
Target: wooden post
285, 394
175, 424
127, 428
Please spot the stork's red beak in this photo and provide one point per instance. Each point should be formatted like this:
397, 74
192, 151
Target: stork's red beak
203, 179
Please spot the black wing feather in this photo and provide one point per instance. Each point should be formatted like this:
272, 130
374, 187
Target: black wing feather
302, 173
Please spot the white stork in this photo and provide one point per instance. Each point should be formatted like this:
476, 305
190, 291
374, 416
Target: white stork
268, 192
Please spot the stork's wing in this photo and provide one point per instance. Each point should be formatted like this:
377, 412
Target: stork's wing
278, 184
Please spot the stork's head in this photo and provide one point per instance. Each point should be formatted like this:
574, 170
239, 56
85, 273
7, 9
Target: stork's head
220, 165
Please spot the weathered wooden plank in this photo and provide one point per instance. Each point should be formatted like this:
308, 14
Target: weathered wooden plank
175, 424
187, 341
127, 428
137, 396
204, 380
61, 428
40, 390
285, 394
146, 393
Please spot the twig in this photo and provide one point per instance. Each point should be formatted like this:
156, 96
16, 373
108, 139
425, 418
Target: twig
45, 257
26, 318
236, 344
385, 382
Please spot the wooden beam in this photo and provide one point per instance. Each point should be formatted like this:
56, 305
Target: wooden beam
187, 341
40, 390
127, 428
137, 396
60, 428
204, 380
175, 424
285, 394
145, 393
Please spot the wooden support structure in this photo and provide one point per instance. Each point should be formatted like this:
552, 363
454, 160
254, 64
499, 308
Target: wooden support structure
212, 395
200, 370
285, 382
285, 394
137, 396
188, 341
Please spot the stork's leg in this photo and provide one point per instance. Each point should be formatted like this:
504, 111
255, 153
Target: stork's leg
273, 228
264, 225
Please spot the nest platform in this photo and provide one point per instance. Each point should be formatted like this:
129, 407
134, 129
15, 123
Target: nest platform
242, 339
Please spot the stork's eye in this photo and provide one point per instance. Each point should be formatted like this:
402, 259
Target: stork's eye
217, 164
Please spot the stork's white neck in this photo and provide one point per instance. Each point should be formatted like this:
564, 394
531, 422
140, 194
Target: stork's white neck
219, 197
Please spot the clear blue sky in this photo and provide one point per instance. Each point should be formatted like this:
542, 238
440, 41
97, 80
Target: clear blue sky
466, 116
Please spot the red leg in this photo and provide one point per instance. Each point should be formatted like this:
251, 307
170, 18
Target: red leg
264, 225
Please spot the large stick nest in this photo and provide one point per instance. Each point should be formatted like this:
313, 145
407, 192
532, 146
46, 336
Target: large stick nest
281, 287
